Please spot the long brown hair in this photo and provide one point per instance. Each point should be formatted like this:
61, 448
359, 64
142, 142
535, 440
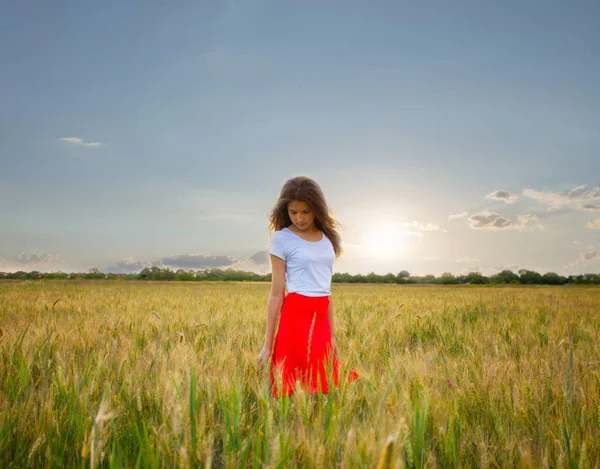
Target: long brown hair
306, 190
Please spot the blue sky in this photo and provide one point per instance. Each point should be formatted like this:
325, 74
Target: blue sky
140, 133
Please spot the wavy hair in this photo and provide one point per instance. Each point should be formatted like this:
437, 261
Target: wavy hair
306, 190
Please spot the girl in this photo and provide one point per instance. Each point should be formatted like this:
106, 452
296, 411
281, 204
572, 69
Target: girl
302, 251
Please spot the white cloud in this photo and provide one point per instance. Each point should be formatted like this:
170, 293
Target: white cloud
588, 256
470, 268
467, 260
487, 220
197, 261
524, 220
255, 263
249, 265
416, 227
37, 256
431, 258
261, 258
79, 141
504, 196
501, 267
589, 208
127, 265
595, 225
557, 199
457, 216
584, 258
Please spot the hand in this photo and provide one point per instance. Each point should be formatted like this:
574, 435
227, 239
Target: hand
335, 347
263, 356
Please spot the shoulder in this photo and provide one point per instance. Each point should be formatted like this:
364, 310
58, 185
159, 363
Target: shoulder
280, 235
281, 238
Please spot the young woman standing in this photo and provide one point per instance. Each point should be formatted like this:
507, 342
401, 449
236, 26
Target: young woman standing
303, 249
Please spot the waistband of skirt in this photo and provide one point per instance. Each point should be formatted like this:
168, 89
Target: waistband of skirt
306, 296
319, 304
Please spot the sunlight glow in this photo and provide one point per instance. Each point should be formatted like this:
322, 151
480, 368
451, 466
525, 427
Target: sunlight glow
386, 240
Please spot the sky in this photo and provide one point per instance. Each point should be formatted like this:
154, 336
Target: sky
447, 136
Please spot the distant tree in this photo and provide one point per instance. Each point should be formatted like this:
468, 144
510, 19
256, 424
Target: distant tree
56, 276
508, 276
476, 278
214, 275
372, 277
448, 279
594, 278
529, 277
165, 274
359, 278
184, 276
341, 278
428, 279
403, 276
389, 278
551, 278
587, 279
95, 274
497, 279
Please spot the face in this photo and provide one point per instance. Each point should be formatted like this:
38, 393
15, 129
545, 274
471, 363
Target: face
301, 215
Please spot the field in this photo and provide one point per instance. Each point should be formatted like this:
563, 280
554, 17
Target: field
152, 375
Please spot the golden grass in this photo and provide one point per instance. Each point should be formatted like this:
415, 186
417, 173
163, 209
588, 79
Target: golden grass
119, 375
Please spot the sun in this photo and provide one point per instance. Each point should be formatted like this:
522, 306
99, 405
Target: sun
386, 240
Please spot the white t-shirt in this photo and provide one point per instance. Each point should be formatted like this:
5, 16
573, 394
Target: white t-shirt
308, 264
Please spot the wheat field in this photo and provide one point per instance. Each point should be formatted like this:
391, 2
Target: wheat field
123, 374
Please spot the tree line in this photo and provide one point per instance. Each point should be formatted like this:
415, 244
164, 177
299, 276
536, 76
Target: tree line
522, 277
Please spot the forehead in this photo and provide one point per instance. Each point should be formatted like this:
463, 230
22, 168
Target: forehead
298, 205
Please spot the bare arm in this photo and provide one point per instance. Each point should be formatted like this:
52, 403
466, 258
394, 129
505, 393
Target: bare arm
332, 328
330, 317
274, 305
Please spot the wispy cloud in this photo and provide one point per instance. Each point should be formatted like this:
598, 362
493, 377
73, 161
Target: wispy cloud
261, 258
595, 225
588, 256
584, 258
79, 141
128, 265
467, 260
589, 208
501, 267
416, 227
487, 220
458, 216
177, 261
502, 195
197, 261
258, 262
37, 256
578, 194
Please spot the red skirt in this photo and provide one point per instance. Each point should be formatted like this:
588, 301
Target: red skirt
302, 351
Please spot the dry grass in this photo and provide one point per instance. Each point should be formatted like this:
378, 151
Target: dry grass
119, 375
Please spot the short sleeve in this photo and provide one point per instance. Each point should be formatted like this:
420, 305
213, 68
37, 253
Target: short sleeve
277, 247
